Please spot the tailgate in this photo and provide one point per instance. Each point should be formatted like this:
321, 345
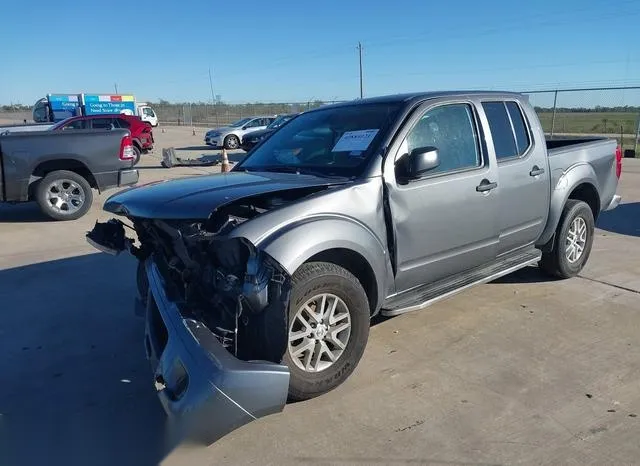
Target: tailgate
203, 388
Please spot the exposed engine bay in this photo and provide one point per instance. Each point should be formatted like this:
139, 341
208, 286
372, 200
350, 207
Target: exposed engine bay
237, 291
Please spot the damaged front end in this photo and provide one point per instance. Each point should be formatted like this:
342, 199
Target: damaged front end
216, 318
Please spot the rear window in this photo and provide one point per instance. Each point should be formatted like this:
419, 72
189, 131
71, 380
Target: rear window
122, 123
76, 124
101, 123
508, 129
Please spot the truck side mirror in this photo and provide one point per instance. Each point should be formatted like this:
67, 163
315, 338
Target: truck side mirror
422, 160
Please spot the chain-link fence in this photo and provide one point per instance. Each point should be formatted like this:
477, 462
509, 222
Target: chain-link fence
611, 112
222, 114
607, 111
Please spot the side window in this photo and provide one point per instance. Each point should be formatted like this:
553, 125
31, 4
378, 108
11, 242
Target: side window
508, 129
450, 129
101, 123
76, 124
147, 111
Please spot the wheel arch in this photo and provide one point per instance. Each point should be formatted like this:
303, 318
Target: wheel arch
69, 164
338, 241
578, 183
588, 193
357, 265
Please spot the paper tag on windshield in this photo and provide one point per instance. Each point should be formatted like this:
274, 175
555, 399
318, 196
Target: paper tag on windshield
355, 140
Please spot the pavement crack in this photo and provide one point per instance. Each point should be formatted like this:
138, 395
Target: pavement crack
602, 282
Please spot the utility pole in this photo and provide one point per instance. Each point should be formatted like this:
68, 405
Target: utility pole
115, 86
213, 97
360, 57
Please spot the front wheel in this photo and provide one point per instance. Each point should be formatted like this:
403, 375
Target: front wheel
231, 142
328, 328
573, 241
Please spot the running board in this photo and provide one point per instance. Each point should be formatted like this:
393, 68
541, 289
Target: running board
426, 295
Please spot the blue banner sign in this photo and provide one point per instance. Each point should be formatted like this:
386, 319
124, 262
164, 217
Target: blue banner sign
95, 104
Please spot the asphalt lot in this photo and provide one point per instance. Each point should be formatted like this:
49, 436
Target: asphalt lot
523, 370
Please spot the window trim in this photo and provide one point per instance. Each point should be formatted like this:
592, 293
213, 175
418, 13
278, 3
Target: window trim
531, 145
479, 136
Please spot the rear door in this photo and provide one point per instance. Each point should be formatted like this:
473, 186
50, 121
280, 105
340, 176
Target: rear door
444, 222
523, 196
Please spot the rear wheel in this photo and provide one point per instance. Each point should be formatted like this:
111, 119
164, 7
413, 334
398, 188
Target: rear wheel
573, 241
231, 142
328, 328
64, 195
137, 152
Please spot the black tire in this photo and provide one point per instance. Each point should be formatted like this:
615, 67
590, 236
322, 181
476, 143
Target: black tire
231, 142
71, 183
311, 280
555, 262
142, 282
137, 152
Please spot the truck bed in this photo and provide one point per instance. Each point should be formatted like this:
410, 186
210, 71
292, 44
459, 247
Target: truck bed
598, 153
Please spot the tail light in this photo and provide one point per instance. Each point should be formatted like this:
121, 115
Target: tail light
126, 149
618, 161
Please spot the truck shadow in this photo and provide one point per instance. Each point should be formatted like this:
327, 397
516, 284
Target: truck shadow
530, 274
76, 386
26, 212
624, 219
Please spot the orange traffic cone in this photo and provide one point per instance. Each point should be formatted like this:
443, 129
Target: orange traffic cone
224, 167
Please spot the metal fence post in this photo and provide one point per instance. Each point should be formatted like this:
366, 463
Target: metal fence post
553, 118
635, 144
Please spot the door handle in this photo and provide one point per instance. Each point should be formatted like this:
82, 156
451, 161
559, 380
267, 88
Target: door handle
486, 185
535, 171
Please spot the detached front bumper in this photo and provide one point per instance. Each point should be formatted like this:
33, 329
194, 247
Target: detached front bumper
201, 385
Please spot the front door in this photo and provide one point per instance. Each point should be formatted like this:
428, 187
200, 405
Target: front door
445, 221
524, 175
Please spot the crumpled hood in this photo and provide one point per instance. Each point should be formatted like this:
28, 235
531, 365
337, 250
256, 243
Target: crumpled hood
196, 197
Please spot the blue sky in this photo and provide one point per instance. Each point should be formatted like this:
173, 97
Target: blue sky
283, 50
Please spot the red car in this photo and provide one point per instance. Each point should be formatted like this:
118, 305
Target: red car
141, 132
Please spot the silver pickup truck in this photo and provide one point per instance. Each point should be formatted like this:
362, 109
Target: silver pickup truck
259, 284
